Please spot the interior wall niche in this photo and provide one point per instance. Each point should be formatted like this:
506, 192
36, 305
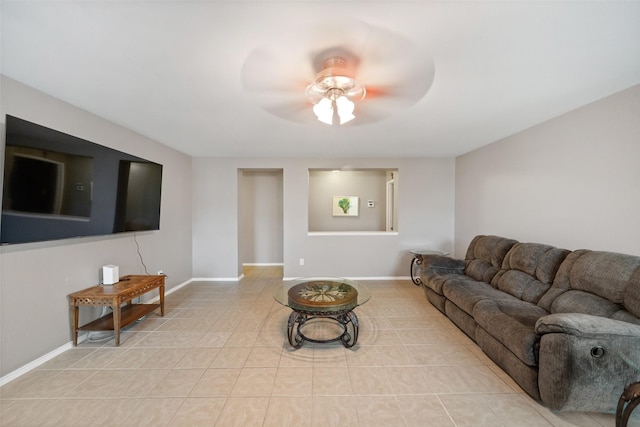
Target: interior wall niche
374, 190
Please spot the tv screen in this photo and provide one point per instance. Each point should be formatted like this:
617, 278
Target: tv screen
58, 186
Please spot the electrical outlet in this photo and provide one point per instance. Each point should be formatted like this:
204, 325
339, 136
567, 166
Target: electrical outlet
160, 273
301, 261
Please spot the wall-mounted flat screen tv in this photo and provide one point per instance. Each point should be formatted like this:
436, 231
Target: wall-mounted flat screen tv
58, 186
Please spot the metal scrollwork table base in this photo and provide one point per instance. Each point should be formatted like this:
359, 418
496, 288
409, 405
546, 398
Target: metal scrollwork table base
346, 319
314, 300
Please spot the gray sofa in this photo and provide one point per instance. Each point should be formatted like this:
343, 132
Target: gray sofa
565, 325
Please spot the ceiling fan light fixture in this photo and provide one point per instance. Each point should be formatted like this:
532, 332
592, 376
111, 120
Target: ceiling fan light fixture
334, 109
345, 109
324, 111
334, 92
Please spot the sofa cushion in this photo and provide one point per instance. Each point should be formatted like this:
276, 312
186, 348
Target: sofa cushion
481, 270
526, 376
436, 270
606, 274
433, 281
521, 285
512, 323
574, 301
535, 259
484, 256
549, 264
528, 270
435, 299
561, 283
631, 298
461, 319
465, 293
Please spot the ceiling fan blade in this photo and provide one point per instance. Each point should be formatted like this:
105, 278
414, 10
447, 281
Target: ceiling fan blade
412, 86
276, 83
367, 45
385, 62
299, 112
268, 68
368, 113
380, 107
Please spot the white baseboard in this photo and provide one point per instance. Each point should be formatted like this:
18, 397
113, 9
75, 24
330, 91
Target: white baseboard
81, 337
39, 361
263, 264
360, 278
172, 290
217, 279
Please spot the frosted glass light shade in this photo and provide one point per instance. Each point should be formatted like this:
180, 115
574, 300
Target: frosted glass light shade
324, 111
345, 109
328, 111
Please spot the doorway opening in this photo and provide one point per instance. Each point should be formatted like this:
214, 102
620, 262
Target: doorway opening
260, 218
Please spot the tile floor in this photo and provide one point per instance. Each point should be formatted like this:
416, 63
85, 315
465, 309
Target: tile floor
220, 357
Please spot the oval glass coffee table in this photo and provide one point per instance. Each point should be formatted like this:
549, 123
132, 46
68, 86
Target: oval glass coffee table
320, 299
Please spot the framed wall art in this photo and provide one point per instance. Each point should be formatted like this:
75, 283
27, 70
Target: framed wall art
345, 205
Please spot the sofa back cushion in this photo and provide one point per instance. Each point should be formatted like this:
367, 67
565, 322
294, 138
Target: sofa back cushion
595, 282
528, 270
574, 301
484, 256
603, 273
631, 298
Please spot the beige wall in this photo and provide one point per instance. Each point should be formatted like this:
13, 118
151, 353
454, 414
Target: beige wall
35, 278
572, 182
426, 203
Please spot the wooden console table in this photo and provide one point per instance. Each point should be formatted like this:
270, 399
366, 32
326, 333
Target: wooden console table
114, 296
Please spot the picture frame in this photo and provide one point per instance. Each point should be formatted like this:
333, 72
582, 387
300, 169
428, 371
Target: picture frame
345, 205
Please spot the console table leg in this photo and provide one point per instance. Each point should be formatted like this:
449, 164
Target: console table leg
161, 295
116, 324
73, 314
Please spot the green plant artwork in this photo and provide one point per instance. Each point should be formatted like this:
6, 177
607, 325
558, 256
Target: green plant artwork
344, 204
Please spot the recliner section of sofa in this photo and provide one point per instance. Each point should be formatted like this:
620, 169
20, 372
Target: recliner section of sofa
564, 325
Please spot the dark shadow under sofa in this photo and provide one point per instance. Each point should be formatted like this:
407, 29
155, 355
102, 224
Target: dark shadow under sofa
565, 325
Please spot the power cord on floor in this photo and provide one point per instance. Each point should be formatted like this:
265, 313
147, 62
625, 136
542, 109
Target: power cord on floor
100, 336
94, 336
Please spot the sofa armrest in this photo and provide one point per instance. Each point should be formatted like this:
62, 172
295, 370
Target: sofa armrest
585, 325
439, 264
586, 361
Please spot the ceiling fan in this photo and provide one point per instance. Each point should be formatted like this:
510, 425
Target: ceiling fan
342, 72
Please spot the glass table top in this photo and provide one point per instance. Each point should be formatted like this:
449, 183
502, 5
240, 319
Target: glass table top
422, 251
321, 289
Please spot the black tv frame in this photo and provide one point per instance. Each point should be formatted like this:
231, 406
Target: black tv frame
105, 181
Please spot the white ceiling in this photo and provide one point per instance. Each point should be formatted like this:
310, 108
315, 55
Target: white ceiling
171, 70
